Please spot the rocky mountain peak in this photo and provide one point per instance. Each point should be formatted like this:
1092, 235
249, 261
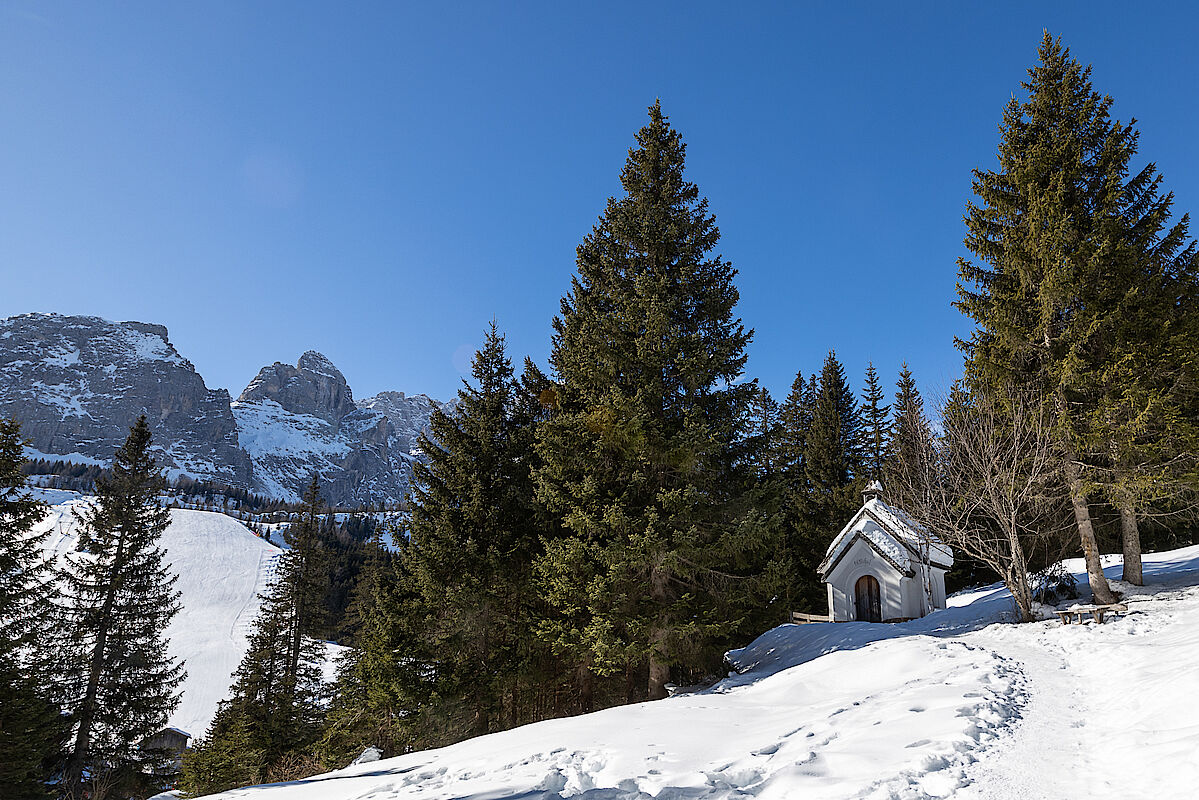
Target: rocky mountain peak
313, 386
313, 361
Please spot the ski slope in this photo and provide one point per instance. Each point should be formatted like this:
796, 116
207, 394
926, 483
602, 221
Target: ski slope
222, 568
950, 706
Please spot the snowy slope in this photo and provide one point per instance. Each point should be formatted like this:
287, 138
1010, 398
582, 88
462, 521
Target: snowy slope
953, 705
222, 567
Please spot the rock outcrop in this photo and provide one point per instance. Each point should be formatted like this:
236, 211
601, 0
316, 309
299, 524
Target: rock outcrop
78, 383
313, 386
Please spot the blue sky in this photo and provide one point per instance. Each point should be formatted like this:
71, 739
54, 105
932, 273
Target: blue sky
378, 180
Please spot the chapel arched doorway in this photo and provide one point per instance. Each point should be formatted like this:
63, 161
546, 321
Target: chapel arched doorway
867, 600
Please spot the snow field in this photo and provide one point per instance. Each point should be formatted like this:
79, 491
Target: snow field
1115, 707
898, 719
949, 706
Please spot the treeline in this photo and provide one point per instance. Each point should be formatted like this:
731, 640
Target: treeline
73, 476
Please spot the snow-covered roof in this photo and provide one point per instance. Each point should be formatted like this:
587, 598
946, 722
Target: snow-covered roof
895, 535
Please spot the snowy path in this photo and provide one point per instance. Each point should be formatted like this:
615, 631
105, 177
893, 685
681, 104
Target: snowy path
1113, 709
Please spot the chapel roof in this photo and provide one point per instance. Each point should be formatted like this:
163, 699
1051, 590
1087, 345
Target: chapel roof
891, 532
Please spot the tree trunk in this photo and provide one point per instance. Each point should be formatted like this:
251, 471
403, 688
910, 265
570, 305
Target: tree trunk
1131, 535
73, 772
1100, 592
659, 670
1017, 580
586, 683
659, 675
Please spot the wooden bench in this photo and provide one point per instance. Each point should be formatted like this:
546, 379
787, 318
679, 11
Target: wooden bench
1076, 613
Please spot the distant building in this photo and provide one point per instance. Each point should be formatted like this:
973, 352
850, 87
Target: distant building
173, 740
884, 566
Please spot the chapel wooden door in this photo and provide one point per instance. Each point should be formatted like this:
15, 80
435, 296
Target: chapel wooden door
867, 601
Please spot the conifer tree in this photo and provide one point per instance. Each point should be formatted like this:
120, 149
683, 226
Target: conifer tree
640, 456
274, 709
474, 537
876, 424
369, 703
795, 423
833, 453
119, 599
1144, 453
825, 493
1057, 270
765, 426
909, 468
31, 734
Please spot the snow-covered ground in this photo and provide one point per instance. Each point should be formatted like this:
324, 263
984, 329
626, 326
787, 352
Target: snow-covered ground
222, 568
953, 705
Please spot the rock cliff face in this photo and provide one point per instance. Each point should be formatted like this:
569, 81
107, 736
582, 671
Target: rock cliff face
295, 421
408, 414
313, 386
78, 383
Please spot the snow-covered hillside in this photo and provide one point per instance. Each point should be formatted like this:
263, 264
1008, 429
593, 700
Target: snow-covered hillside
222, 568
953, 705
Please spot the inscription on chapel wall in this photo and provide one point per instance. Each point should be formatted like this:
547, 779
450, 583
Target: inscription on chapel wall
862, 561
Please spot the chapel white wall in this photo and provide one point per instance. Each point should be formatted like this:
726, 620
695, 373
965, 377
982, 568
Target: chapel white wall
862, 559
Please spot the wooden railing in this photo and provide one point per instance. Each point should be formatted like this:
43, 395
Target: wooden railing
803, 619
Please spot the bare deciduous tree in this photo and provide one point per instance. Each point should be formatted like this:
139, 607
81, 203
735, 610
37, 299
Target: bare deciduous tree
990, 489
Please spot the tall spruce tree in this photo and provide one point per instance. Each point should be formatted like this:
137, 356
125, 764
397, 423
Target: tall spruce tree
876, 424
369, 704
795, 423
275, 706
834, 453
119, 598
474, 537
640, 462
1057, 270
31, 733
799, 552
826, 493
1145, 425
909, 467
765, 426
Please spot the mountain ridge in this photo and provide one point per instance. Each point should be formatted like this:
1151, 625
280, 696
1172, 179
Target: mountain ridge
77, 382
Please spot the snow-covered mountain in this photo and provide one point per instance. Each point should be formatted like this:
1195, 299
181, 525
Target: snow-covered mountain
78, 383
294, 421
953, 705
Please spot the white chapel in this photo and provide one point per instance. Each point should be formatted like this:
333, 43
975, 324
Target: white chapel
884, 566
